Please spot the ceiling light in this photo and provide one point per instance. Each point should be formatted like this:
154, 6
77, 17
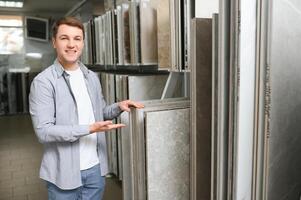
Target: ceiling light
11, 4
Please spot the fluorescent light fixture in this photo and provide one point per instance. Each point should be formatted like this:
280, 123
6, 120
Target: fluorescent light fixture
11, 4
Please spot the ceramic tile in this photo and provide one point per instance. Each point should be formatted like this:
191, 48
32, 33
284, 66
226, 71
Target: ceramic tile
284, 141
167, 175
137, 127
148, 34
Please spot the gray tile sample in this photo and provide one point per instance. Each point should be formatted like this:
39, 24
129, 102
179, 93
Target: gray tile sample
137, 128
148, 34
138, 88
134, 19
123, 33
283, 134
201, 98
167, 154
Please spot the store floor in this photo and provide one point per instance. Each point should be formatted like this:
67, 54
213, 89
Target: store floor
20, 156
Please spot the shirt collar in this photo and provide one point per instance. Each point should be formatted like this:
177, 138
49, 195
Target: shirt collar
60, 69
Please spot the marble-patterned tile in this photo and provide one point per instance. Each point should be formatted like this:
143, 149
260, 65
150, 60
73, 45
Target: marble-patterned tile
163, 31
167, 154
137, 132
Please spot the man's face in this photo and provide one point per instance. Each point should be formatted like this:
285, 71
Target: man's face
68, 44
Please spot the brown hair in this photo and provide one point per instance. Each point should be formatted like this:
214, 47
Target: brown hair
71, 21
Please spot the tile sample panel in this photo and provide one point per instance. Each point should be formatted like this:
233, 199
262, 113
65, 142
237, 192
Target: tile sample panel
167, 154
148, 34
283, 138
138, 140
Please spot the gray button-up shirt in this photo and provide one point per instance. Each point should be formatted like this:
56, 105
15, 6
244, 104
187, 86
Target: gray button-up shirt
54, 115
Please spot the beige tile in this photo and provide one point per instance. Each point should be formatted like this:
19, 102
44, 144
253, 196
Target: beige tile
6, 176
19, 197
12, 183
6, 193
38, 196
26, 189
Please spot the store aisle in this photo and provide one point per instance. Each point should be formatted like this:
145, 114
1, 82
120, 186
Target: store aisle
20, 156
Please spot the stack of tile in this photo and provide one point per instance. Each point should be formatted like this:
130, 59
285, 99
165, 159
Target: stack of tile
137, 88
116, 88
104, 45
123, 34
179, 34
85, 53
109, 38
100, 40
160, 151
88, 56
126, 35
108, 90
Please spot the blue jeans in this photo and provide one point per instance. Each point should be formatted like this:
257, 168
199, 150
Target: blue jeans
92, 188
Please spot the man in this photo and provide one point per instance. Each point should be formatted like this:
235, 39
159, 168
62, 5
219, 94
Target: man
70, 116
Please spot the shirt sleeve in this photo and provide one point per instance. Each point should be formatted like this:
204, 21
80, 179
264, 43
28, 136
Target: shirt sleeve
42, 111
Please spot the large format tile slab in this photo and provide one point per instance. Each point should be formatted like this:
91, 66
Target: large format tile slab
283, 134
138, 88
167, 154
148, 34
138, 140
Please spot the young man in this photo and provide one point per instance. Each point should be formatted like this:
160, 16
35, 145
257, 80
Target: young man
69, 116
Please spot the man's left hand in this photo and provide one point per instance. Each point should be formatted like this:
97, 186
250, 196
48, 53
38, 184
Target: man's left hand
127, 104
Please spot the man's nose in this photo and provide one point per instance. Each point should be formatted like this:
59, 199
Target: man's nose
70, 43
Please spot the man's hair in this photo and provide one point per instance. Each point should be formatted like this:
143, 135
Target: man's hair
70, 21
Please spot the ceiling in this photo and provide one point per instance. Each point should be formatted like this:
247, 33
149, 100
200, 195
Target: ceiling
57, 7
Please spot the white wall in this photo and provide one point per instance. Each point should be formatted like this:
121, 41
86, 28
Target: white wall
205, 8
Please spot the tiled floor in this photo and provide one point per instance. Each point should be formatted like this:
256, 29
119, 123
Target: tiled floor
20, 156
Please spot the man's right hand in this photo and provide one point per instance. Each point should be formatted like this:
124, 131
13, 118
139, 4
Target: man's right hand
104, 126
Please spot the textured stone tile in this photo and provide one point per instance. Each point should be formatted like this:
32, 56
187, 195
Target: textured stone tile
167, 154
163, 29
138, 141
37, 196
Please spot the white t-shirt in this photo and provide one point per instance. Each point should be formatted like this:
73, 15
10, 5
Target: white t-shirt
88, 144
